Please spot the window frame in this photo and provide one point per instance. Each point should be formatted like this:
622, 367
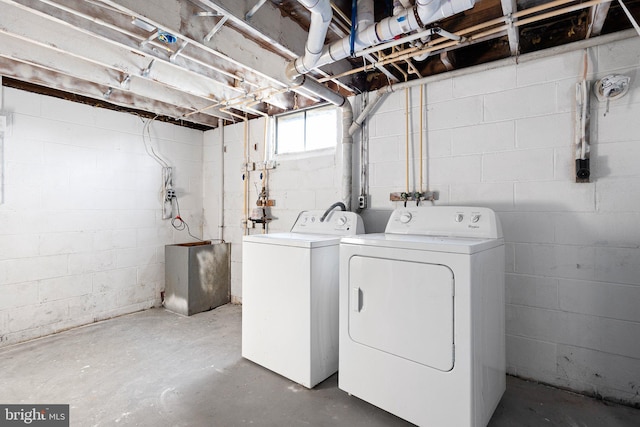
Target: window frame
304, 113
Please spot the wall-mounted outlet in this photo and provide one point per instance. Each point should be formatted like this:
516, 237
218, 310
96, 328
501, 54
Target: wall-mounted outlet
363, 201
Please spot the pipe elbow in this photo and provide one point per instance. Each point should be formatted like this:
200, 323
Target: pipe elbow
435, 10
292, 73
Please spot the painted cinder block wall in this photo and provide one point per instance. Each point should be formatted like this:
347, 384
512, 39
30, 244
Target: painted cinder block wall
503, 138
81, 234
298, 182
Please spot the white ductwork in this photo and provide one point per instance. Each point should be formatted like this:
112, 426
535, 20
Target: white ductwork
407, 20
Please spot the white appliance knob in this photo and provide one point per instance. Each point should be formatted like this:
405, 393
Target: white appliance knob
342, 220
459, 217
405, 217
313, 219
475, 218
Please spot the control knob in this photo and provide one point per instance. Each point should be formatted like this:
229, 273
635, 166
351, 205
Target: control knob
459, 217
341, 220
405, 217
475, 218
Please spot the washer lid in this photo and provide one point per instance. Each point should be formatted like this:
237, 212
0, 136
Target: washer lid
299, 240
459, 245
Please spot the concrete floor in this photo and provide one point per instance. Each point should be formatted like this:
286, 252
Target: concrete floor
156, 368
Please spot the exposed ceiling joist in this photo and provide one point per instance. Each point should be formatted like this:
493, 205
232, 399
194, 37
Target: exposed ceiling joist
509, 7
99, 56
598, 16
205, 60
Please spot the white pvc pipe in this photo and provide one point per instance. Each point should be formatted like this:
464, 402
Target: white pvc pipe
405, 22
221, 180
321, 14
365, 14
532, 56
357, 123
396, 42
347, 155
399, 5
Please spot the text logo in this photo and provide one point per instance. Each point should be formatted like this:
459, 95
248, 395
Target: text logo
34, 415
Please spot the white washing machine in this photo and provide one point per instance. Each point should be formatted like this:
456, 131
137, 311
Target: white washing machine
422, 316
290, 296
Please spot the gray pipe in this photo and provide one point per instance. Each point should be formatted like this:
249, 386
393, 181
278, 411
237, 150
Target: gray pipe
357, 123
347, 155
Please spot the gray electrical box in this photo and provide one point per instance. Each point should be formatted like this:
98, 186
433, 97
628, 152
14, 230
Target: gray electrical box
197, 276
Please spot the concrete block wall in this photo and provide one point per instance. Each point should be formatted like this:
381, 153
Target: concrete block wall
503, 138
81, 234
298, 182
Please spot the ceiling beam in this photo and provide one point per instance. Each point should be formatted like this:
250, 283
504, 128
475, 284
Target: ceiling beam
127, 100
108, 41
256, 55
509, 7
19, 40
597, 17
228, 44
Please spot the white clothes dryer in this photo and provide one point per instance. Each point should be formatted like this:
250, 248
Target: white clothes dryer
422, 316
290, 296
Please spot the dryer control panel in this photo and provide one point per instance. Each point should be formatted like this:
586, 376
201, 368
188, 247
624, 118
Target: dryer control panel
452, 221
336, 222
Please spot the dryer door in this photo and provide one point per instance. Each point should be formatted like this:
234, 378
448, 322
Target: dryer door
403, 308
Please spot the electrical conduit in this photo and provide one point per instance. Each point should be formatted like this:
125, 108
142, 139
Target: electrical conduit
221, 180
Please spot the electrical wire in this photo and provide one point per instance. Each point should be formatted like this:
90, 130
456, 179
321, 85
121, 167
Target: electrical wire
180, 224
146, 133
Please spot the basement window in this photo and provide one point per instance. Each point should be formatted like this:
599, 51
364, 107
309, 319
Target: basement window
308, 130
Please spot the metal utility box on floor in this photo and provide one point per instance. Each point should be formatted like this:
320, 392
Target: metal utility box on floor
197, 277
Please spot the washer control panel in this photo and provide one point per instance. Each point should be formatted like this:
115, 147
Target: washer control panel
455, 221
335, 222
